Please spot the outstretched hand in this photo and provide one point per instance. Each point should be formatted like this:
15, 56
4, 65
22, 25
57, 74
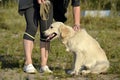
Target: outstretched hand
41, 1
76, 27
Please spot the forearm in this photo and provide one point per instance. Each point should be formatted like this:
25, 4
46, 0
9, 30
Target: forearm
76, 15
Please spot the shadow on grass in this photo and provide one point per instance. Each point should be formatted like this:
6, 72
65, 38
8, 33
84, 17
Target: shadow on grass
10, 61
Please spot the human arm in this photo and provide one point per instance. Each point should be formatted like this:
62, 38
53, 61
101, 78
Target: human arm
76, 14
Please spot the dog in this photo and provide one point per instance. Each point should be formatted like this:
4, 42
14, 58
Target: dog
89, 57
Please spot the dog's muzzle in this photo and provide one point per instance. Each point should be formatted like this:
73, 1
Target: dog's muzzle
51, 36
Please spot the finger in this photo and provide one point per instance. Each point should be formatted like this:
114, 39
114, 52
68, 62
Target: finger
75, 28
39, 1
43, 1
78, 28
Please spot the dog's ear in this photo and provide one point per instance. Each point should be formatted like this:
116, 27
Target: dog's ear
64, 31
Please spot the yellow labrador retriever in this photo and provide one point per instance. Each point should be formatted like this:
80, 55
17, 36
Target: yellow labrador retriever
89, 57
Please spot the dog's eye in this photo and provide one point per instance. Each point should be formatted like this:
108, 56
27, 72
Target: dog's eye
51, 27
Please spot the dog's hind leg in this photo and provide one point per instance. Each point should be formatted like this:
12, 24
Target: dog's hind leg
100, 68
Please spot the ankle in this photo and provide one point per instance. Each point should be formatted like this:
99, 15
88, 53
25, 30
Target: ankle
43, 65
27, 63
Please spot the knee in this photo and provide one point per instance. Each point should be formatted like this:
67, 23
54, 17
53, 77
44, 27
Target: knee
43, 38
30, 33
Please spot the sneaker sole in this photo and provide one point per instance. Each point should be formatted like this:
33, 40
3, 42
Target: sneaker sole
31, 72
46, 72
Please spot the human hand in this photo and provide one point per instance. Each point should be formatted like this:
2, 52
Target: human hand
41, 1
76, 27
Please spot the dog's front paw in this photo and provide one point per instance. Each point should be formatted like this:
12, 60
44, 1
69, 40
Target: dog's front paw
67, 50
72, 72
85, 72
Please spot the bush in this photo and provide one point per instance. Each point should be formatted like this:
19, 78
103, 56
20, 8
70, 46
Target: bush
8, 3
100, 4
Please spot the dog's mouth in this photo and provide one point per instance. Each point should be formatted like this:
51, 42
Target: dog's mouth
51, 36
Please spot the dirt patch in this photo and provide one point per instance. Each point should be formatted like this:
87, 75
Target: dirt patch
18, 74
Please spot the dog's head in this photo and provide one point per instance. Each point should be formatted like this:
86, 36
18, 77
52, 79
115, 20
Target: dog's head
57, 29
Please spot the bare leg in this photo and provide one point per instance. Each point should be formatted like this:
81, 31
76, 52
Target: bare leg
28, 47
44, 47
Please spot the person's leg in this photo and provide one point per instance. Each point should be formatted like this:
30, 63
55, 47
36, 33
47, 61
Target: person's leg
44, 46
28, 38
28, 46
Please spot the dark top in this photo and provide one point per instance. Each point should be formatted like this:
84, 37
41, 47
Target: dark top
59, 7
23, 4
75, 2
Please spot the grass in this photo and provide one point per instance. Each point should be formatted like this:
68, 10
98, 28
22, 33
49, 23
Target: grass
105, 30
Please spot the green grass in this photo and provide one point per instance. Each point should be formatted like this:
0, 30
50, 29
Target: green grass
105, 30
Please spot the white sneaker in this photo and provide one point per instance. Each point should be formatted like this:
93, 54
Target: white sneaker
45, 69
29, 69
